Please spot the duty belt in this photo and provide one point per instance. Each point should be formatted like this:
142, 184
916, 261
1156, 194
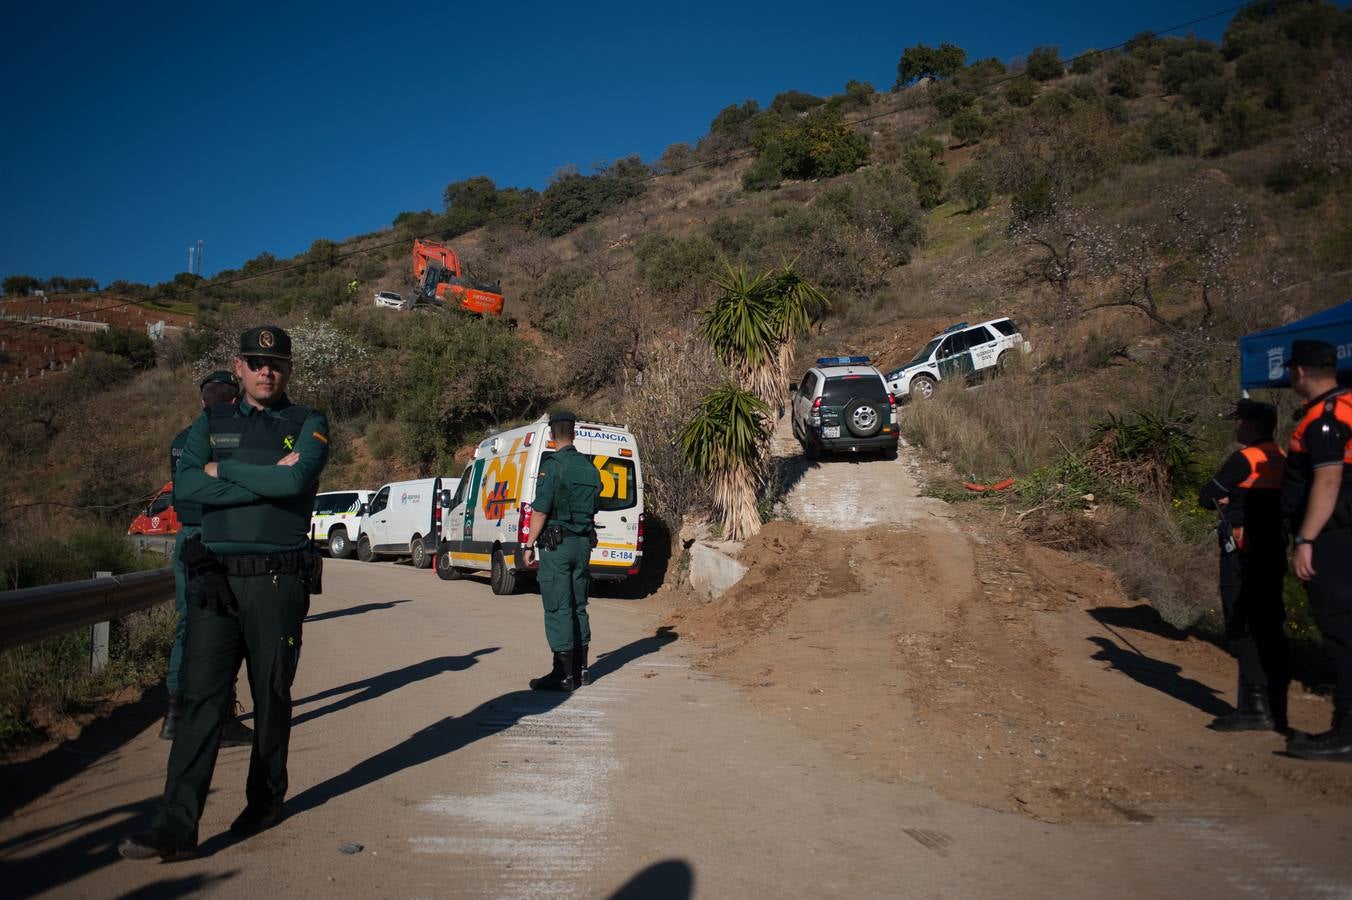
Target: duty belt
288, 563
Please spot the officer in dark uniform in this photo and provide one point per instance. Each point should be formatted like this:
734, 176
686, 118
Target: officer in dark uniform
217, 388
1247, 493
1317, 498
562, 529
255, 469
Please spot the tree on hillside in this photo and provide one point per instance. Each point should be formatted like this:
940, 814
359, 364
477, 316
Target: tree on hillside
724, 443
922, 61
1044, 64
20, 285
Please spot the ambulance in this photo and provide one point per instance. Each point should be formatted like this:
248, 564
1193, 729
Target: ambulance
490, 511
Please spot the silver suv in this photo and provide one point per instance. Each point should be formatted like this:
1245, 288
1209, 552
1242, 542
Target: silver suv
842, 405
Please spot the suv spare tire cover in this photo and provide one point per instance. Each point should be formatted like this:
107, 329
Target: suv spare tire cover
862, 418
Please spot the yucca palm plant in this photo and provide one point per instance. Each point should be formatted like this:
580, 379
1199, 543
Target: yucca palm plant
742, 328
796, 305
725, 442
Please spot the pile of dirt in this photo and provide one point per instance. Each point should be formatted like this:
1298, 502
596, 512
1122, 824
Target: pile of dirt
997, 671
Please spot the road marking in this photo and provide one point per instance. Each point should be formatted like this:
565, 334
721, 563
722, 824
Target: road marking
539, 822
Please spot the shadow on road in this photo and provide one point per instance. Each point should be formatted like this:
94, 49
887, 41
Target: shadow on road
436, 740
384, 683
178, 887
616, 659
1162, 676
352, 611
76, 856
23, 782
670, 879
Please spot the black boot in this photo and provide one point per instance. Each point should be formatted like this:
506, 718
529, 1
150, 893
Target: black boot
560, 678
235, 733
581, 674
171, 717
1277, 703
1333, 745
257, 817
1251, 712
155, 843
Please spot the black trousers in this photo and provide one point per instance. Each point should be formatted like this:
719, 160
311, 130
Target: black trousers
266, 634
1330, 593
1251, 602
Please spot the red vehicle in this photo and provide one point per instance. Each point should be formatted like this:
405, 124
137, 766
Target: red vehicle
440, 277
158, 518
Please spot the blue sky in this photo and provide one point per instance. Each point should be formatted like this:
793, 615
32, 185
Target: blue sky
134, 129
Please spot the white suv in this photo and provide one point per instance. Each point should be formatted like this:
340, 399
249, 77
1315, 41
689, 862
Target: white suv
336, 520
962, 351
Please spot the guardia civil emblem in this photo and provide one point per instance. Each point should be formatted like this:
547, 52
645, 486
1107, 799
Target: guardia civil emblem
266, 340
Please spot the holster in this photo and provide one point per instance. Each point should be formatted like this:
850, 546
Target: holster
314, 572
552, 537
207, 581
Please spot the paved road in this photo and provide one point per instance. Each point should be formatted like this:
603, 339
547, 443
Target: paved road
415, 739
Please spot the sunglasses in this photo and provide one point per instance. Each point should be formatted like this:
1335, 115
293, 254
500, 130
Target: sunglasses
277, 365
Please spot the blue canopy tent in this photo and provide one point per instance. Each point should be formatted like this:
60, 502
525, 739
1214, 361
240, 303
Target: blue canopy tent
1262, 353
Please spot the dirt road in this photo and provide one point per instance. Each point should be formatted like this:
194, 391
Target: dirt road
414, 740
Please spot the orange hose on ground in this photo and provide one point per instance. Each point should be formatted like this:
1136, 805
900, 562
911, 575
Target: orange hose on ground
998, 486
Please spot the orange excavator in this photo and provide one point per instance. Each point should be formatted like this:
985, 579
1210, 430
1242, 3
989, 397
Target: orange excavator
441, 280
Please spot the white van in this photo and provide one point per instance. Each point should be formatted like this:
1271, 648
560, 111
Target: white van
404, 519
336, 520
491, 509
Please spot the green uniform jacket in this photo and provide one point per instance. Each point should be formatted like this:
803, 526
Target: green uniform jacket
567, 490
188, 513
241, 484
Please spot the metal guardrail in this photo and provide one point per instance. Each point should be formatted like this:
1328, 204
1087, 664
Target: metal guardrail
32, 614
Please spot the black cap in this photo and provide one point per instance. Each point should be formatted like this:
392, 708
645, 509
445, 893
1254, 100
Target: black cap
265, 340
561, 416
1314, 354
1253, 411
220, 376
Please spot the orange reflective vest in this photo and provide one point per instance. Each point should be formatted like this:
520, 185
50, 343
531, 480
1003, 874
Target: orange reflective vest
1300, 467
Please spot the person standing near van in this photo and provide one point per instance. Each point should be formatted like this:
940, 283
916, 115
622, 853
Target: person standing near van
220, 387
255, 469
562, 530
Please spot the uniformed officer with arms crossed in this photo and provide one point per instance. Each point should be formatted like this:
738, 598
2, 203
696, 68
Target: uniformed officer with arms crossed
1317, 497
562, 531
255, 469
1247, 492
220, 387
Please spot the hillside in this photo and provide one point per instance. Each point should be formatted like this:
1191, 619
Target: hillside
1134, 210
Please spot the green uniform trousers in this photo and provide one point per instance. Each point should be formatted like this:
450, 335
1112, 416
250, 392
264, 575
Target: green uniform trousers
564, 578
171, 681
266, 634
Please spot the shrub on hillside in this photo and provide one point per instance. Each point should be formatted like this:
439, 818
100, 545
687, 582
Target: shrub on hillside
731, 236
969, 127
1044, 64
1173, 133
1126, 78
857, 95
762, 175
921, 61
1021, 92
951, 101
676, 157
669, 265
821, 145
1208, 95
573, 199
789, 103
1034, 202
135, 347
458, 375
920, 161
1086, 62
1182, 69
973, 187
